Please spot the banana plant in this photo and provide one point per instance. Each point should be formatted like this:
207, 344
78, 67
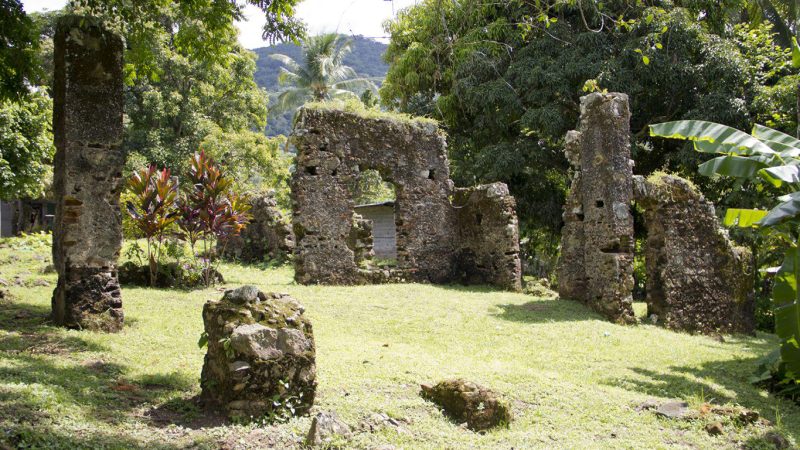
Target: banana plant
768, 156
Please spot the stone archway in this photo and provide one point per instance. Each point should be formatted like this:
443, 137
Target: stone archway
435, 238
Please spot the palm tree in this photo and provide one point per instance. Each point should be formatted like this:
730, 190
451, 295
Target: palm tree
322, 76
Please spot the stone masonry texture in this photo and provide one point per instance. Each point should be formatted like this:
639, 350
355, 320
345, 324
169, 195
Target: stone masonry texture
596, 264
87, 123
261, 354
697, 280
334, 147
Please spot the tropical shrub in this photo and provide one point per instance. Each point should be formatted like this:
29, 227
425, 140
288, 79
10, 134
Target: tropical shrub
152, 209
210, 211
770, 160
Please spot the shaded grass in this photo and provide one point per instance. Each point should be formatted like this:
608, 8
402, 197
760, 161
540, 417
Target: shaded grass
573, 379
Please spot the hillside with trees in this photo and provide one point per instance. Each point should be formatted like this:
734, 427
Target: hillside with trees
366, 58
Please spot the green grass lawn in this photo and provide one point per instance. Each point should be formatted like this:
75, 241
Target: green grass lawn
574, 380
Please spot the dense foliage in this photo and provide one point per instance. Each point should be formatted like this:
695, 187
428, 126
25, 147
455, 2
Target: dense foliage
768, 158
26, 146
19, 41
505, 80
206, 211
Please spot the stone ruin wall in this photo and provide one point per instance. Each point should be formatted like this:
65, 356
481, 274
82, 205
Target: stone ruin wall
268, 235
87, 126
596, 265
696, 279
333, 246
488, 236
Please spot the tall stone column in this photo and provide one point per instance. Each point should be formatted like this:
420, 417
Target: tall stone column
87, 125
596, 265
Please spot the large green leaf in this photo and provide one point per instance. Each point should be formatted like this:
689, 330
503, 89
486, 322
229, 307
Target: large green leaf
743, 218
795, 53
784, 211
731, 166
786, 300
768, 134
781, 175
700, 130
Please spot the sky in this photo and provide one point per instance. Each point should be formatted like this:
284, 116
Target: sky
364, 17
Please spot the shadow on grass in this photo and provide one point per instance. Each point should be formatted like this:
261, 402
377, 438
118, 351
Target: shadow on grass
733, 376
42, 371
26, 436
544, 311
192, 413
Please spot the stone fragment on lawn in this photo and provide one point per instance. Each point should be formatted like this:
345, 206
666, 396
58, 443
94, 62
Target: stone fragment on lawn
777, 440
261, 354
674, 410
466, 402
325, 427
715, 428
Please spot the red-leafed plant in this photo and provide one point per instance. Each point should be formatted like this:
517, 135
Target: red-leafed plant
156, 195
210, 211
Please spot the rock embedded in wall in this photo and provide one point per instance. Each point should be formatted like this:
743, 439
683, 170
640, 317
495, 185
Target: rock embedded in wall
596, 264
87, 179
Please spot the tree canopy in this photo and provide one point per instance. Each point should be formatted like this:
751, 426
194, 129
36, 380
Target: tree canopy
505, 80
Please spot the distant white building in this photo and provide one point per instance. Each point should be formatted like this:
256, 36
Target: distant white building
384, 230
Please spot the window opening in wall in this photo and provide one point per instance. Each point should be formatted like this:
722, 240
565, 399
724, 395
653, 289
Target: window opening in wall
375, 200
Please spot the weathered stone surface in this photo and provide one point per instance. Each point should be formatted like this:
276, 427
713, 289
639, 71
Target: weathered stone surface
268, 235
325, 427
467, 402
596, 265
433, 245
259, 346
488, 236
87, 125
674, 410
697, 280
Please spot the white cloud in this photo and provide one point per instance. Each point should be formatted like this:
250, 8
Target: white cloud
42, 5
364, 17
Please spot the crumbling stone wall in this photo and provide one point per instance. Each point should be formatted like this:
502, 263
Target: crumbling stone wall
333, 148
488, 236
268, 235
87, 125
697, 280
261, 354
596, 264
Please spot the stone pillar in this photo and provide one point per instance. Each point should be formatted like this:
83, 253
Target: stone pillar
87, 126
596, 265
